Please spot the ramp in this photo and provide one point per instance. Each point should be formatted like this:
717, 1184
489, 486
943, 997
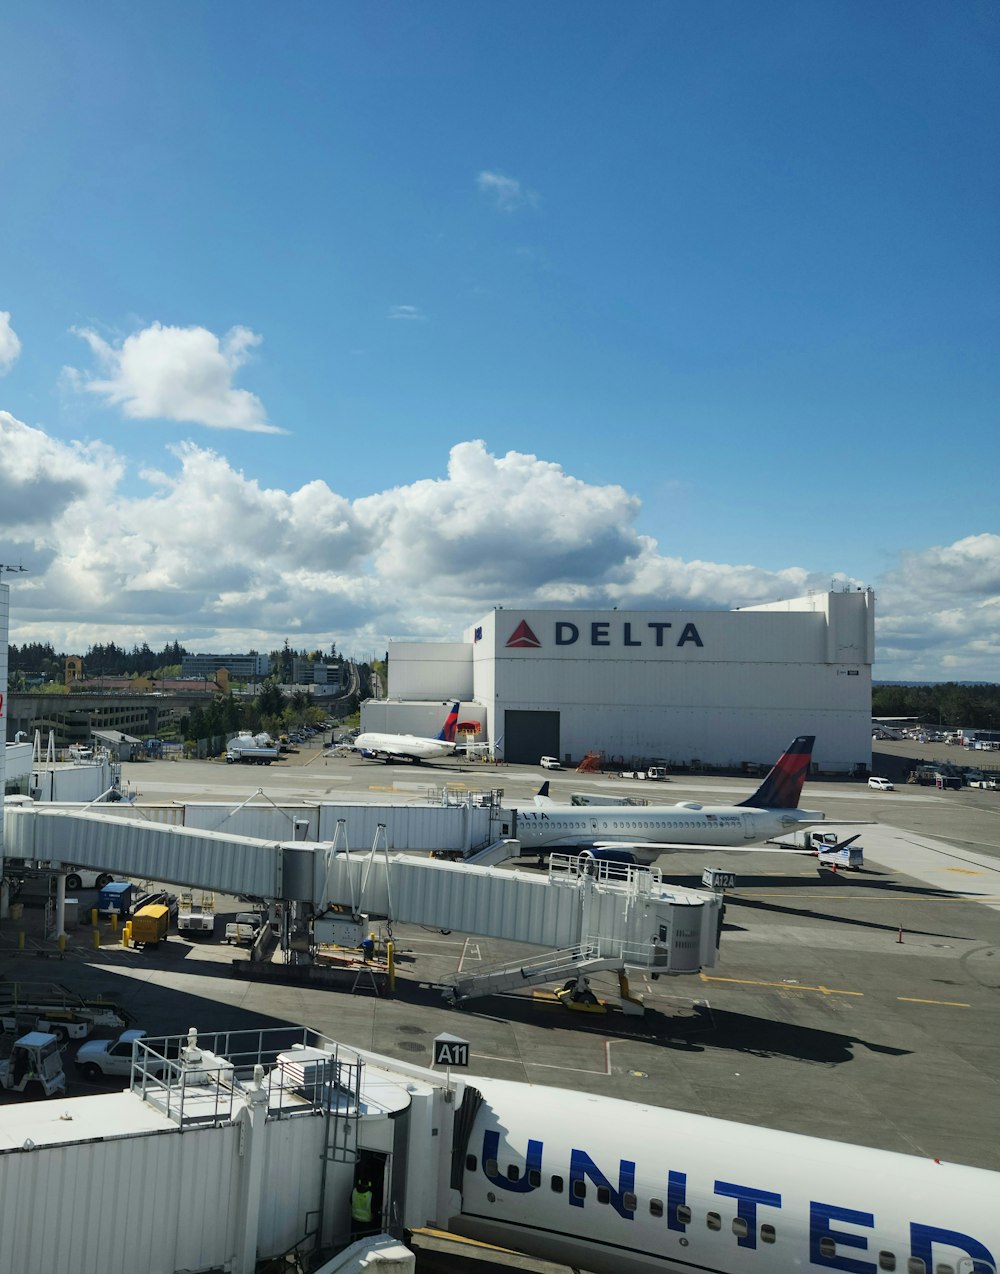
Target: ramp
553, 966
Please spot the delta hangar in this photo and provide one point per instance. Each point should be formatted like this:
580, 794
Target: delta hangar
722, 687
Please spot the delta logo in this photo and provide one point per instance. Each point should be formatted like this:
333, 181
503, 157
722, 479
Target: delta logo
522, 638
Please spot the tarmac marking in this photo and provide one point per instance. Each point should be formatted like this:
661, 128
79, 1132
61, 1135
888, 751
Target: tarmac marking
952, 1004
952, 896
471, 949
784, 986
966, 871
552, 1066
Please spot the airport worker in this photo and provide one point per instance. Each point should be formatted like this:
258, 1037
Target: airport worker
368, 947
361, 1207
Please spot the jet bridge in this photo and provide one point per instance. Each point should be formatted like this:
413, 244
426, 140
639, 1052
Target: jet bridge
635, 920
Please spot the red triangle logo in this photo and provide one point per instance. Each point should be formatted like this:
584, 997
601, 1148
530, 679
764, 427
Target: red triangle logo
522, 638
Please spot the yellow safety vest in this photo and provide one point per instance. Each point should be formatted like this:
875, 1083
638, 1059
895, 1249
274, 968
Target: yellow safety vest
361, 1205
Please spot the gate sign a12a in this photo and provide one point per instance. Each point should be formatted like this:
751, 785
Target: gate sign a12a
449, 1050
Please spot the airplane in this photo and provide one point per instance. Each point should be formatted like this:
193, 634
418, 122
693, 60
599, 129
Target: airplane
409, 747
621, 1188
651, 830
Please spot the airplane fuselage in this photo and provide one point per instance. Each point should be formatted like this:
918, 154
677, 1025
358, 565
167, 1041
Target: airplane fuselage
670, 827
404, 746
622, 1188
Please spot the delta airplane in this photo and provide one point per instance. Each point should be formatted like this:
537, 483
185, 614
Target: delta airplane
621, 1188
410, 747
651, 830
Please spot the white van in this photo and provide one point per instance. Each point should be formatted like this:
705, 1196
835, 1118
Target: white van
881, 785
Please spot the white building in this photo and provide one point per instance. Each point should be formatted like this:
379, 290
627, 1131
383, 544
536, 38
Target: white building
720, 686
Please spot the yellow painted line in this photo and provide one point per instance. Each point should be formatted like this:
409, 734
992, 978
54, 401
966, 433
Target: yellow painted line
784, 986
953, 1004
965, 871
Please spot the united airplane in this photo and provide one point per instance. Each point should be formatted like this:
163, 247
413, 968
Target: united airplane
622, 1188
651, 830
410, 747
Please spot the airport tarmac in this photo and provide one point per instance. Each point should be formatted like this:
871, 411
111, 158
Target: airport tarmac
860, 1006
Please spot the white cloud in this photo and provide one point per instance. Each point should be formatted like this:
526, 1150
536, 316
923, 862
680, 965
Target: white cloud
211, 557
507, 192
409, 313
10, 346
177, 373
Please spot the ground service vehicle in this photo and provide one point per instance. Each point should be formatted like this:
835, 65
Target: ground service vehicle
32, 1059
881, 785
115, 898
84, 878
989, 784
150, 924
54, 1010
251, 749
245, 927
196, 913
550, 763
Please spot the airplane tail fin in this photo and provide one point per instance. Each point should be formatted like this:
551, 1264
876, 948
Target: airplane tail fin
447, 731
783, 786
542, 795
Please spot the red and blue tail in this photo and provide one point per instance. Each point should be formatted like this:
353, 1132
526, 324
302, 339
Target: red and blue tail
447, 731
783, 786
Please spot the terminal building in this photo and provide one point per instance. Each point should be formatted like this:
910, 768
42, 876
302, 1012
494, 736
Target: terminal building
720, 687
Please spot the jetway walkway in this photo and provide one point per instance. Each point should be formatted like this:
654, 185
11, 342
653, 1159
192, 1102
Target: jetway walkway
659, 928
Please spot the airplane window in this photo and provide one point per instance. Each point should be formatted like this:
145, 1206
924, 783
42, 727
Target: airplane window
713, 1221
513, 1172
534, 1177
827, 1246
767, 1234
740, 1227
629, 1202
915, 1265
470, 1163
491, 1167
656, 1207
683, 1213
579, 1190
603, 1194
944, 1267
557, 1185
887, 1260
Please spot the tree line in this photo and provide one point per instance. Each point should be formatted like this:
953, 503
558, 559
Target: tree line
947, 705
37, 659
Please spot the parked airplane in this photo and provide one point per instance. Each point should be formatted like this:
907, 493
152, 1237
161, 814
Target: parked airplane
622, 1188
651, 830
410, 747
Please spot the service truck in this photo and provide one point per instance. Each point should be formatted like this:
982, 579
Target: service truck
251, 749
832, 851
55, 1010
196, 913
32, 1059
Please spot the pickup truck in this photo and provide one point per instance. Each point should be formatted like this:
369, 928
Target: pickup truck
245, 927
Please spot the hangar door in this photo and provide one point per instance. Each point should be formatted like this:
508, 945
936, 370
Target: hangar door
530, 735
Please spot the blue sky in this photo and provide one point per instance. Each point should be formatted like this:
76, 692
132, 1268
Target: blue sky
705, 294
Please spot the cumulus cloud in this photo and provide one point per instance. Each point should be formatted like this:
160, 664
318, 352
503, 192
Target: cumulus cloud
507, 192
408, 313
10, 346
212, 557
176, 373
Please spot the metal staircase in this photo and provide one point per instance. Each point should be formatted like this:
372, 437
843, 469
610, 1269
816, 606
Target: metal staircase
553, 966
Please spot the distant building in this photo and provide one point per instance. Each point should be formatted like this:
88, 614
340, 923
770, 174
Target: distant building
309, 672
240, 667
719, 687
